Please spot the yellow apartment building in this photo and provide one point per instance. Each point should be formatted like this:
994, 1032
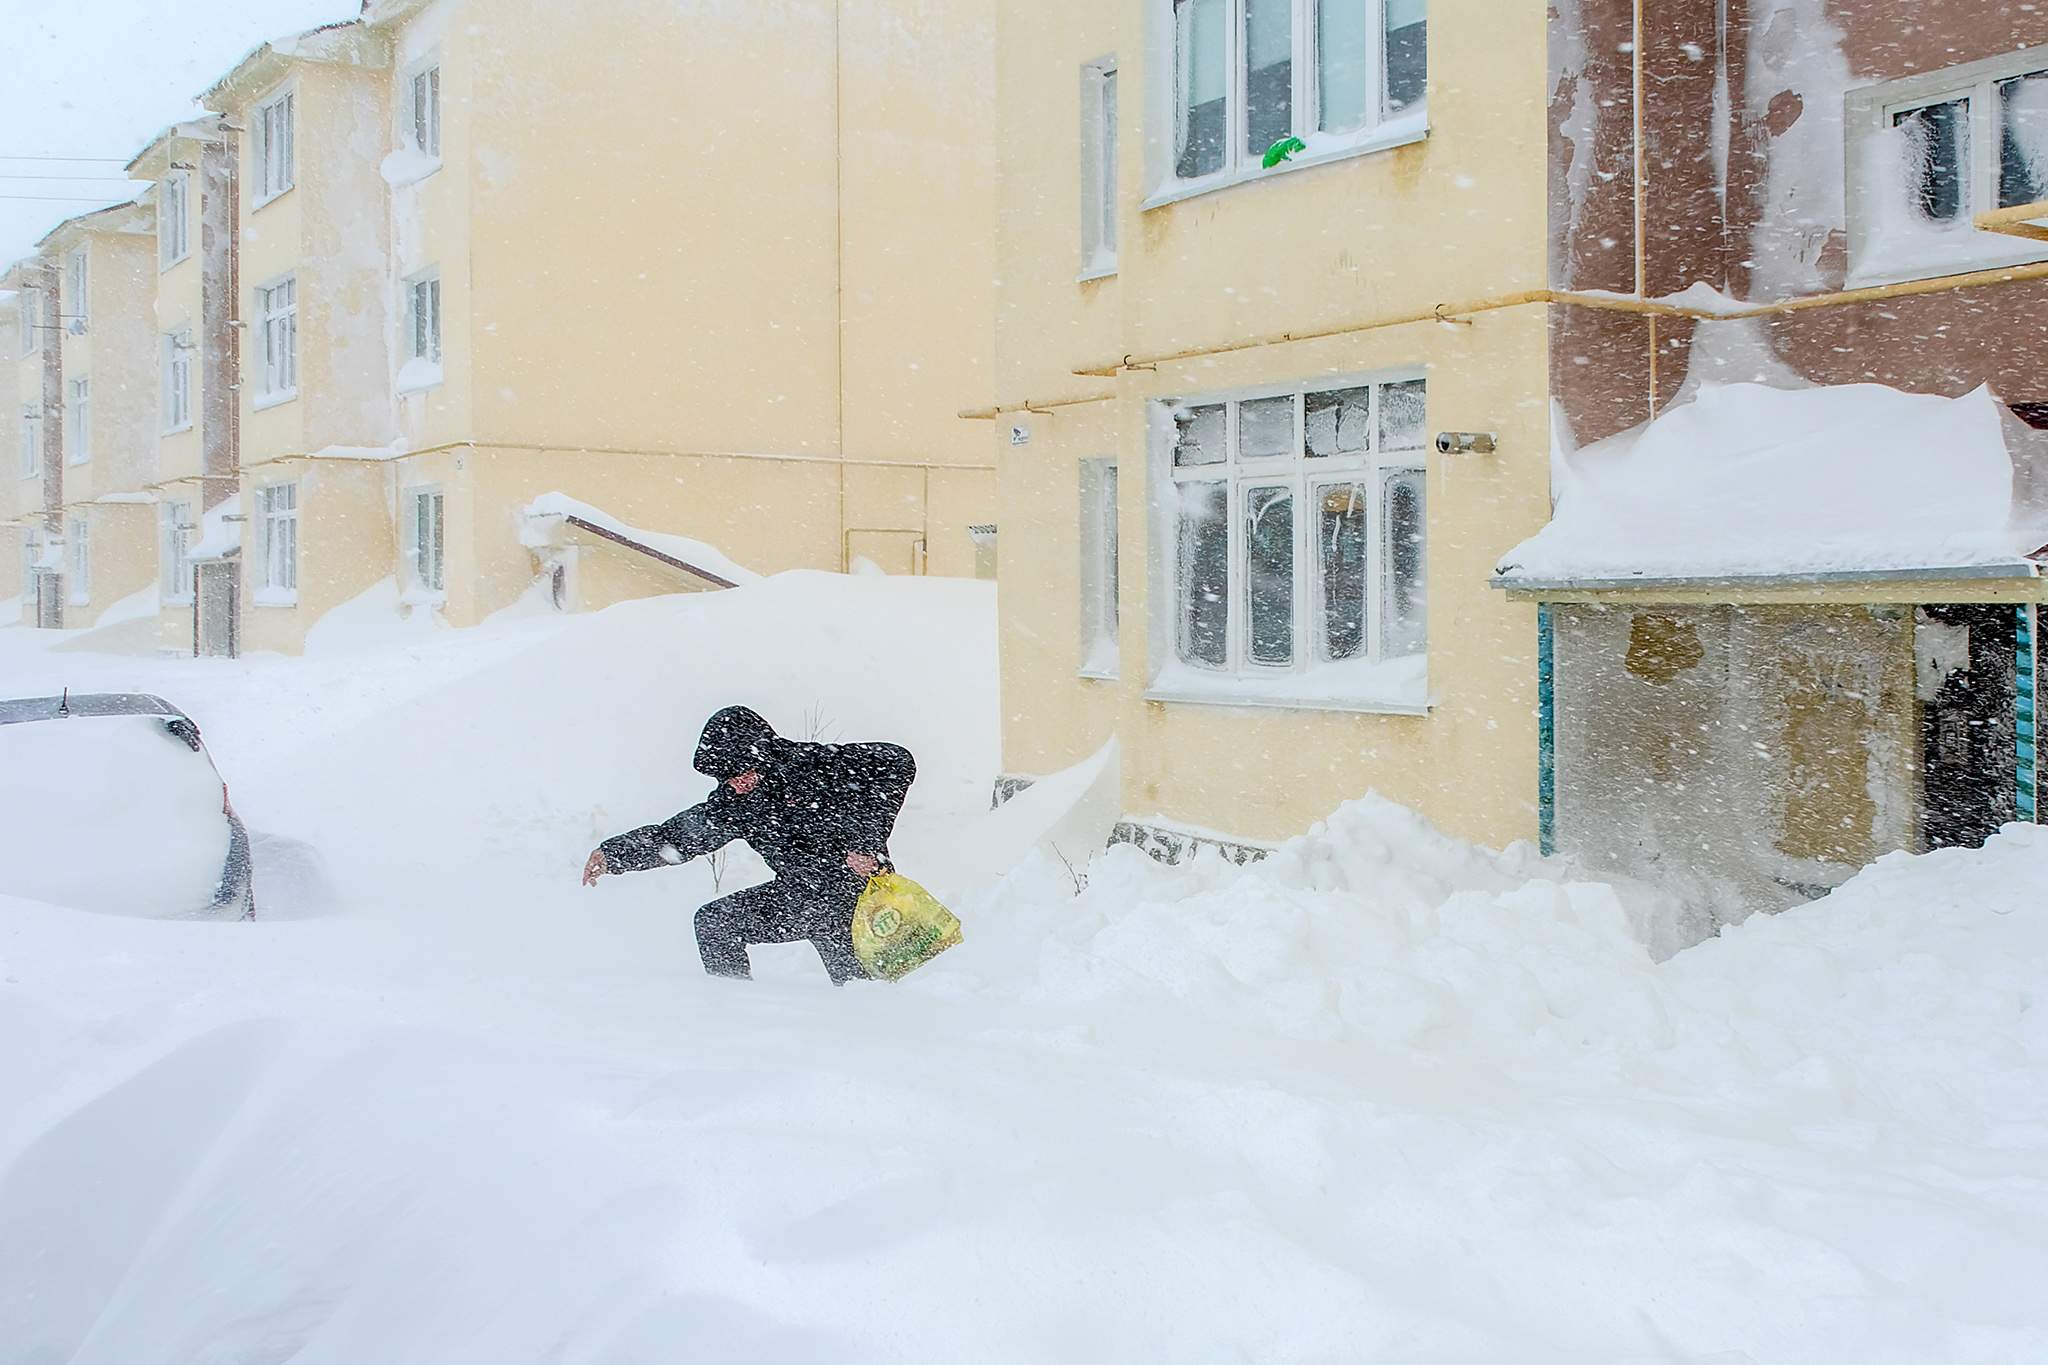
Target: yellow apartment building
193, 354
720, 274
1254, 257
105, 267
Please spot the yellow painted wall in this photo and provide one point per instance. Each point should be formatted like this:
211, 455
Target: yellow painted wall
1458, 216
122, 548
347, 543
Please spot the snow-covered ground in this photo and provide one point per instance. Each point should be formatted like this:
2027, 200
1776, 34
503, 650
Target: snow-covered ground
1386, 1097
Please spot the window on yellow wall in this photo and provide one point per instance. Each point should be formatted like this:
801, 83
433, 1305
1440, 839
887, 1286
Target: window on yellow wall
173, 219
277, 311
77, 292
424, 109
78, 420
78, 578
1099, 584
1098, 167
1297, 534
277, 530
177, 380
425, 540
273, 150
1254, 80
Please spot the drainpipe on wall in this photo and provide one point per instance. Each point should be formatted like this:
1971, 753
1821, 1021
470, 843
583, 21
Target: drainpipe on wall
49, 307
215, 600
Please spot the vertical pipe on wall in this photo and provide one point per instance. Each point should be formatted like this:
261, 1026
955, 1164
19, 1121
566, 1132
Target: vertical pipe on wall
2024, 714
839, 266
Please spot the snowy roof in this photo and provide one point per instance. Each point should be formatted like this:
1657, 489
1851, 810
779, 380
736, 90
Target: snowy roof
549, 513
218, 537
1751, 481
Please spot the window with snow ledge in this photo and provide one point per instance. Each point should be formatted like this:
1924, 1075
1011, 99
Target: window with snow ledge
1247, 77
419, 125
173, 219
425, 541
277, 314
422, 339
1930, 153
1290, 535
277, 545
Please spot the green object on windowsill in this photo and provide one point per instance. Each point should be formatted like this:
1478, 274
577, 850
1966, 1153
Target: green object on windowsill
1283, 149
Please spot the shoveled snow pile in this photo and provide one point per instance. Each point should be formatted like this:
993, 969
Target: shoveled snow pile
1383, 1097
1748, 479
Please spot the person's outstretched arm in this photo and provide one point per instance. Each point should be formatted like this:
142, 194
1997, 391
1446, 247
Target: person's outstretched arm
689, 834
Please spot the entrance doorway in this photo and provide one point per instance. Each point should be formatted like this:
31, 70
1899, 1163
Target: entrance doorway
49, 602
1964, 664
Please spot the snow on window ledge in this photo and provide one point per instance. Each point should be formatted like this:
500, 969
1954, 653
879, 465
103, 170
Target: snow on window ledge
1323, 149
436, 598
407, 166
272, 400
275, 597
1396, 687
418, 375
1100, 268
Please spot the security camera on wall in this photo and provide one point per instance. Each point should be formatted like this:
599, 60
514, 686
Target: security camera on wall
1464, 442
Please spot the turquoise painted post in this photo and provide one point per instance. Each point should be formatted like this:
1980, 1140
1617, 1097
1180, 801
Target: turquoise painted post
1546, 732
2024, 714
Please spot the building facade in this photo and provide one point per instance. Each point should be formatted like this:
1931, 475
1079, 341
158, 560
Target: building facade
1218, 386
1302, 302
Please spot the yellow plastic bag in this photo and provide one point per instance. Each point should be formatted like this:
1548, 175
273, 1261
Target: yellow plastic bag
898, 927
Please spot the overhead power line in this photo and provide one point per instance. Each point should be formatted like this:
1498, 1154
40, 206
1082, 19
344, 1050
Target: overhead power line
65, 198
23, 156
68, 179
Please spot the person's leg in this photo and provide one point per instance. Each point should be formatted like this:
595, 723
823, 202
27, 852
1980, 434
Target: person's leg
829, 914
759, 914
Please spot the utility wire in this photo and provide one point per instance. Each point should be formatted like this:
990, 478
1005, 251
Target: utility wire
23, 156
64, 198
73, 179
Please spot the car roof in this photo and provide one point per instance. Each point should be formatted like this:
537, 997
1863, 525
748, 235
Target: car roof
20, 709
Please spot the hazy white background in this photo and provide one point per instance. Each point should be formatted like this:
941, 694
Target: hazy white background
99, 78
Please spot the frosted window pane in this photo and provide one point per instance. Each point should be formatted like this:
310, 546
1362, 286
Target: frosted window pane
1343, 50
1203, 573
1198, 437
1269, 574
2023, 157
1265, 428
1269, 73
1407, 53
1402, 589
1202, 82
1939, 136
1339, 422
1341, 543
1402, 412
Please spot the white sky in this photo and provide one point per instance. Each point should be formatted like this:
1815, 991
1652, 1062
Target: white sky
99, 78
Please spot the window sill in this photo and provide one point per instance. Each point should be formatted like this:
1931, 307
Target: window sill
436, 598
1251, 698
1091, 273
272, 400
1097, 675
1388, 136
408, 166
275, 597
166, 267
176, 431
78, 601
261, 204
75, 461
176, 601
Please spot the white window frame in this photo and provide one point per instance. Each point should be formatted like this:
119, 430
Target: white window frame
78, 419
1100, 569
1101, 100
420, 344
1303, 476
277, 340
1870, 114
277, 544
273, 158
28, 319
1379, 131
173, 219
176, 577
77, 291
31, 441
176, 358
421, 127
426, 543
78, 561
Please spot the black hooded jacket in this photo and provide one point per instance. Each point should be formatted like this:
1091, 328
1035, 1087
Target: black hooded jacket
815, 804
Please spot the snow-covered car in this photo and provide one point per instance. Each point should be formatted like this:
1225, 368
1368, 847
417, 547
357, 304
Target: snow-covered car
110, 802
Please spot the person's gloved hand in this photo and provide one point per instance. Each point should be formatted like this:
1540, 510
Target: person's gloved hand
596, 867
867, 864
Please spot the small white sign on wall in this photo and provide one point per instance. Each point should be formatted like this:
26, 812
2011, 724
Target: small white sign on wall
1020, 434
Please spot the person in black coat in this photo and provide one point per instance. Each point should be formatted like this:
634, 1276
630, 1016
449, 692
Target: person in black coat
819, 815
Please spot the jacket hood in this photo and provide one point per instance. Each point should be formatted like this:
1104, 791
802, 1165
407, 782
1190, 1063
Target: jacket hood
735, 740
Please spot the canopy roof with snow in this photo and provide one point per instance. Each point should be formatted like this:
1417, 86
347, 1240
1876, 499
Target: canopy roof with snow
1752, 482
